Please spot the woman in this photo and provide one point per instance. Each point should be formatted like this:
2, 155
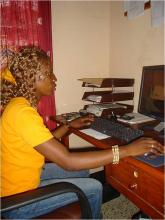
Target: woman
26, 141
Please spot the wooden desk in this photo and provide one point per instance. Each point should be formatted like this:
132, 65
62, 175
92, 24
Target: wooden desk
139, 182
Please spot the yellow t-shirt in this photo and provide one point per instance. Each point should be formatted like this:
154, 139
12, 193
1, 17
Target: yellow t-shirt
22, 129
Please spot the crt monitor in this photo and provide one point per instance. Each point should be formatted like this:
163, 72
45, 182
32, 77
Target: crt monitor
151, 99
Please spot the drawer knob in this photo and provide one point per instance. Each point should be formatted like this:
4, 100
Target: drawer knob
133, 186
136, 174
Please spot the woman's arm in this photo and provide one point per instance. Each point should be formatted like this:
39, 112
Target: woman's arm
76, 123
59, 154
60, 131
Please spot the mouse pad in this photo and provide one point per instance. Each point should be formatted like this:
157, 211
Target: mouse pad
156, 161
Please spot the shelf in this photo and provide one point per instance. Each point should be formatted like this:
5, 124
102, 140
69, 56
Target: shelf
107, 82
109, 96
125, 108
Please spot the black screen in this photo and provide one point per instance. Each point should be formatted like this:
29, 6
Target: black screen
151, 100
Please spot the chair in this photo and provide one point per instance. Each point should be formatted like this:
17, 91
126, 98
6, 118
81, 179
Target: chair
76, 210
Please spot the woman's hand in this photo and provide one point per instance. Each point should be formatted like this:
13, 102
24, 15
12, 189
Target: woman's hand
145, 146
82, 121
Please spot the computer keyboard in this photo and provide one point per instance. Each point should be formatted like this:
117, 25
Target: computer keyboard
115, 129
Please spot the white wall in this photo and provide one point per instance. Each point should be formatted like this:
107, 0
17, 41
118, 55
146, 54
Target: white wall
81, 33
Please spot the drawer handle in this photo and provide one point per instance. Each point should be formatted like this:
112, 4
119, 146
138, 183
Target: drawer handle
133, 186
136, 174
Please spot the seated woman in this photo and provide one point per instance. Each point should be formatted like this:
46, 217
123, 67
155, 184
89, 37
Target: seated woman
26, 141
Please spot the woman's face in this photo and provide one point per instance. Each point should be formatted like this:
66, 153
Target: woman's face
45, 80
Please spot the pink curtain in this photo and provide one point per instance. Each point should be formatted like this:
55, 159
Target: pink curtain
28, 23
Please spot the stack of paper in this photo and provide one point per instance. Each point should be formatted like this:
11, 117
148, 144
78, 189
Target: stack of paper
97, 109
106, 105
94, 98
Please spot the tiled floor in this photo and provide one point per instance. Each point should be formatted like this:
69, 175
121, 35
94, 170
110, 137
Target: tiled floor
119, 208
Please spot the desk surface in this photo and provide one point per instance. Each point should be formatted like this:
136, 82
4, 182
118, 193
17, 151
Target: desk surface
108, 142
152, 177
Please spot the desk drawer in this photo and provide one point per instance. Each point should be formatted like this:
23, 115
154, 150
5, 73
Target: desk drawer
142, 184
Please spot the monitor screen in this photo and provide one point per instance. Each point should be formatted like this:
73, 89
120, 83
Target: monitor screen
151, 100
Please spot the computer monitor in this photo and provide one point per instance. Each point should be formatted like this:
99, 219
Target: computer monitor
151, 99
